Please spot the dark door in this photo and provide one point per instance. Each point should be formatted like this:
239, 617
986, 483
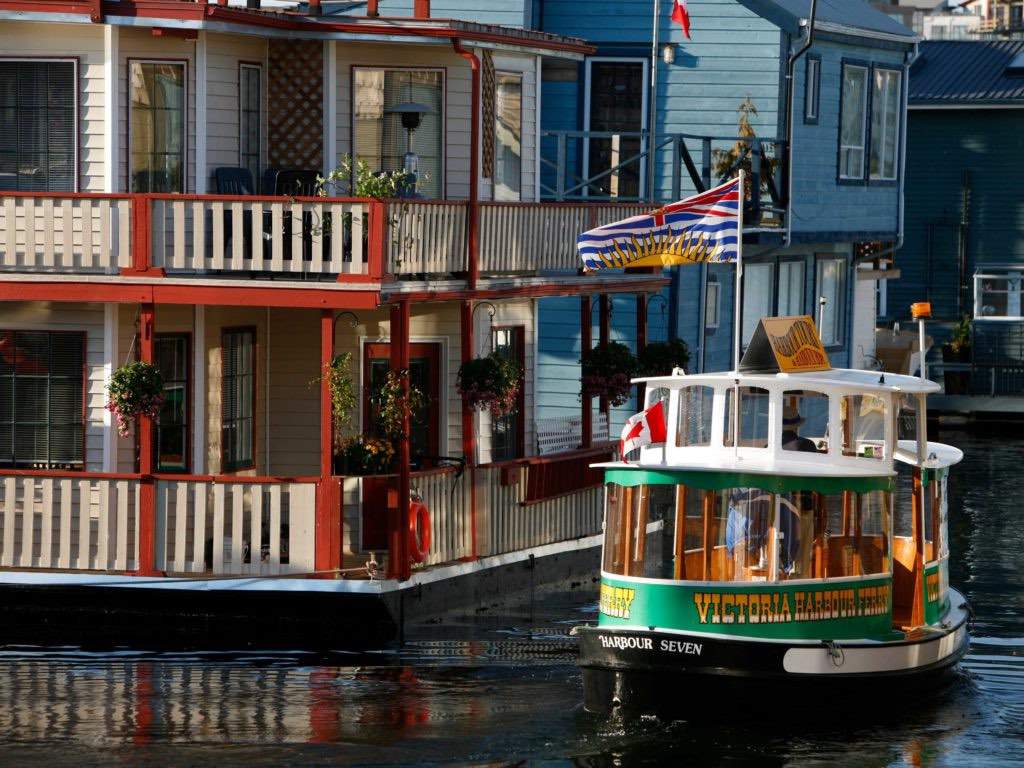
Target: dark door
617, 106
425, 375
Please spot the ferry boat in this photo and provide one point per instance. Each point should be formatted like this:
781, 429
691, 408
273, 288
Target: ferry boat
810, 549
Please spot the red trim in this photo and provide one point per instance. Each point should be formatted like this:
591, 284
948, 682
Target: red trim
181, 34
326, 425
237, 479
473, 214
255, 393
468, 431
420, 9
118, 292
429, 351
563, 475
147, 489
69, 473
377, 236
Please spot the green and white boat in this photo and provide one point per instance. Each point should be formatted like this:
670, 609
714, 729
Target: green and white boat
812, 550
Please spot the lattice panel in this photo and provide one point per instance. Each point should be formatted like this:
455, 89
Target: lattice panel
295, 94
487, 85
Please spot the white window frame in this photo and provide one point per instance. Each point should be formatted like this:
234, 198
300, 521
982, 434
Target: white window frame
886, 126
812, 90
712, 306
645, 109
864, 147
183, 63
839, 342
1014, 278
76, 127
443, 181
242, 66
522, 83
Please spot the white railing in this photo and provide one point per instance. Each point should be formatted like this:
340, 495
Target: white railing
530, 237
65, 233
426, 237
235, 528
72, 523
282, 236
559, 434
506, 522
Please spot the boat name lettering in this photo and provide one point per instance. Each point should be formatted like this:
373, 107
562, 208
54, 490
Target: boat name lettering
781, 607
679, 646
625, 643
616, 601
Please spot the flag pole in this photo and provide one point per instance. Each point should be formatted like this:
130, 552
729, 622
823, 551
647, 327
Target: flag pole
738, 299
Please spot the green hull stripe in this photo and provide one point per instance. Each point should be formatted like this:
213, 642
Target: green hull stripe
830, 611
720, 481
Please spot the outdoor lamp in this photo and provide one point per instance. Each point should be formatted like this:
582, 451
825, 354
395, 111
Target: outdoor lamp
668, 53
411, 114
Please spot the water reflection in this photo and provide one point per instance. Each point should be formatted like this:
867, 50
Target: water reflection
499, 691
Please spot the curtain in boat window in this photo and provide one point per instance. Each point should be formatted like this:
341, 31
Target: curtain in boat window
381, 141
157, 105
41, 399
37, 125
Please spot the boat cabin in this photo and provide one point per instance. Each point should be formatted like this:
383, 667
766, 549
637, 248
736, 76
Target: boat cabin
807, 505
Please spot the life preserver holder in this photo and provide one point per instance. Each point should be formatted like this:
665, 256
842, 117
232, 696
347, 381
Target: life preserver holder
419, 530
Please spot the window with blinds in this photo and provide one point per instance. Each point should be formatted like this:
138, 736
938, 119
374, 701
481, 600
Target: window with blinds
38, 144
157, 126
238, 398
249, 118
381, 141
42, 419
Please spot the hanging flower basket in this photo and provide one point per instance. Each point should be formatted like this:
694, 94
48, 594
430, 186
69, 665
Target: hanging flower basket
607, 371
661, 357
490, 383
135, 389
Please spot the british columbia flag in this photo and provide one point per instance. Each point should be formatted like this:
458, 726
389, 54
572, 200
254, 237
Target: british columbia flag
701, 229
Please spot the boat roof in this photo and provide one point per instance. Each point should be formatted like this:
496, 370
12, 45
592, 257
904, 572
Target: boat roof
836, 378
758, 463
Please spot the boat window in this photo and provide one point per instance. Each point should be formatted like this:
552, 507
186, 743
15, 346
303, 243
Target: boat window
695, 416
907, 419
688, 561
626, 519
753, 417
805, 421
857, 533
748, 540
864, 418
801, 531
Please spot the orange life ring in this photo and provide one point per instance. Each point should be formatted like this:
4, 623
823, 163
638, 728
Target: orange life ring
419, 531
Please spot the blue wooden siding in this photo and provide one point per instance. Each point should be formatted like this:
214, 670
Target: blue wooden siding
820, 203
507, 13
990, 145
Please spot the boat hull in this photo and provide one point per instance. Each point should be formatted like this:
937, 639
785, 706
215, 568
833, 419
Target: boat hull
637, 671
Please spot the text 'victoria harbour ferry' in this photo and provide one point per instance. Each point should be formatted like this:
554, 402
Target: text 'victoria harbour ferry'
803, 537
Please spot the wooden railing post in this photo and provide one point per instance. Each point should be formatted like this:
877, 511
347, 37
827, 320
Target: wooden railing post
376, 239
328, 518
586, 416
468, 430
147, 485
142, 239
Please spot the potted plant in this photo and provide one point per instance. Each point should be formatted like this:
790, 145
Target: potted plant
362, 455
393, 405
135, 389
958, 350
490, 383
660, 358
607, 371
338, 375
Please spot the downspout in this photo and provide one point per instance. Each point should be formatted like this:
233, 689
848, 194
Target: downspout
790, 117
473, 219
908, 61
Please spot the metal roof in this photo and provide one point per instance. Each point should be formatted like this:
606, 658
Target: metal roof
967, 72
855, 16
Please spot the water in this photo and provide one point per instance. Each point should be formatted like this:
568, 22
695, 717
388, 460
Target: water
502, 691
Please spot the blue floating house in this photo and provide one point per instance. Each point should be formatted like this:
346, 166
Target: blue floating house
964, 247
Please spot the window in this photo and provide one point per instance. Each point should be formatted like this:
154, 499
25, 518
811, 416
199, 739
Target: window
812, 89
380, 139
617, 98
249, 114
758, 282
626, 530
998, 295
42, 399
507, 432
791, 289
712, 303
805, 421
38, 136
508, 133
831, 285
425, 375
864, 419
853, 122
753, 417
695, 405
885, 123
171, 354
157, 126
238, 398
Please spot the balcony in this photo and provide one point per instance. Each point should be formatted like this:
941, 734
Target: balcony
347, 240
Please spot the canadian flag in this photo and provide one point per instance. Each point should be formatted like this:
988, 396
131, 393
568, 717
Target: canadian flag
643, 429
681, 16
